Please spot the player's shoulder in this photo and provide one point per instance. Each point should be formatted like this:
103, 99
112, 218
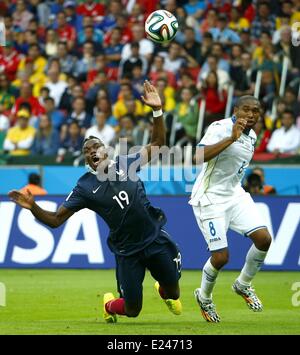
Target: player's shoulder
226, 122
84, 179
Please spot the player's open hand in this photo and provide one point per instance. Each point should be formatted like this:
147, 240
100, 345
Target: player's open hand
238, 128
23, 200
151, 96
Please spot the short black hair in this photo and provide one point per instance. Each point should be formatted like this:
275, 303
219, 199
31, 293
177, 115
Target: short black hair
254, 180
288, 111
244, 98
90, 138
26, 105
135, 45
34, 179
49, 98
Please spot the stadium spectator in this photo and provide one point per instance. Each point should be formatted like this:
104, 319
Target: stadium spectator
174, 60
56, 86
210, 21
46, 140
101, 129
34, 185
263, 135
222, 33
91, 34
243, 76
21, 16
9, 60
247, 41
215, 97
206, 47
186, 81
67, 61
267, 189
7, 93
212, 65
191, 45
56, 116
79, 115
34, 66
4, 121
26, 96
87, 62
290, 98
72, 91
19, 139
253, 184
146, 46
64, 31
157, 71
286, 48
114, 9
72, 143
137, 15
113, 52
167, 95
126, 66
264, 20
287, 138
103, 104
126, 34
120, 108
126, 131
138, 78
196, 9
51, 43
186, 111
92, 9
237, 22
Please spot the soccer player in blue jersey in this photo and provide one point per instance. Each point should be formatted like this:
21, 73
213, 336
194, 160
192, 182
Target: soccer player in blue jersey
137, 238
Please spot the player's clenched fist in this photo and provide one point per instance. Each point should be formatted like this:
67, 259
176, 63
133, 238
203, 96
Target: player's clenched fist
238, 128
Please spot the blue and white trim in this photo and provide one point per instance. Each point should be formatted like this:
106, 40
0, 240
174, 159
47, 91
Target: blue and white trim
247, 234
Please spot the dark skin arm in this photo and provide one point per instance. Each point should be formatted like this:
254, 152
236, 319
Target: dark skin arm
51, 219
158, 137
211, 151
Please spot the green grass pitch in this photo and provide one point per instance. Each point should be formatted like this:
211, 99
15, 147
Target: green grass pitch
70, 302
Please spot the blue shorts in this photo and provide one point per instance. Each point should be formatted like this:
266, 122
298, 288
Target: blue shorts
162, 258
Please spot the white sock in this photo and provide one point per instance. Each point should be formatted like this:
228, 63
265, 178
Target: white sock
254, 260
209, 276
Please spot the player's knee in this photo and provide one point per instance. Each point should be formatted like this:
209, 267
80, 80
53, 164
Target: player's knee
219, 259
266, 242
133, 311
263, 240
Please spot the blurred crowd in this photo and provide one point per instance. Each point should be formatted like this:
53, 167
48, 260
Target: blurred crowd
70, 69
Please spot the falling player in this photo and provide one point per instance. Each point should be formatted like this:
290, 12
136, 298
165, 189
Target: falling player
219, 203
136, 234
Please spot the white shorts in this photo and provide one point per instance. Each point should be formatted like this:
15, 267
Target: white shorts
239, 214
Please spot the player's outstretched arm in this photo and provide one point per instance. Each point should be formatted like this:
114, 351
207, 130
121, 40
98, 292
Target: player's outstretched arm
158, 138
51, 219
211, 151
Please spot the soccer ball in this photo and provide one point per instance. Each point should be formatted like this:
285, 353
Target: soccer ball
161, 26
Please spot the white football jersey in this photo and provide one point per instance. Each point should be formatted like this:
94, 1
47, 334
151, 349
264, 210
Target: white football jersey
220, 178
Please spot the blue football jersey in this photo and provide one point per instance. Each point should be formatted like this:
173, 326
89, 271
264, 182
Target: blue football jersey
122, 203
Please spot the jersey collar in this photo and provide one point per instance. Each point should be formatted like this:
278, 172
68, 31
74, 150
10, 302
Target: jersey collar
246, 130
